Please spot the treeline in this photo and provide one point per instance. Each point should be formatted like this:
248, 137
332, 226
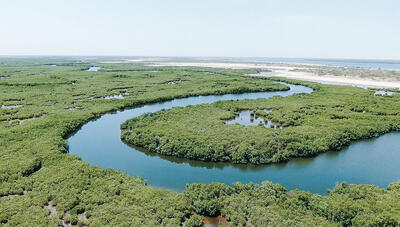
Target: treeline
272, 205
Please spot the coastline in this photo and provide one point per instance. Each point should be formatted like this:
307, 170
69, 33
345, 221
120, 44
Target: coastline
335, 80
293, 71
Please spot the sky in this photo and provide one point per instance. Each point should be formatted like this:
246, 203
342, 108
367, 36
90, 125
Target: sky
366, 29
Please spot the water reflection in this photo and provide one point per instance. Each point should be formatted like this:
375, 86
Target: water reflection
249, 118
201, 164
364, 162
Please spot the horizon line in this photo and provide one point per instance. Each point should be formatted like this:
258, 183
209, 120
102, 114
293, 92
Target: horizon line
196, 56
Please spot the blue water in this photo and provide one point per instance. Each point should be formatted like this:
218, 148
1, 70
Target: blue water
366, 162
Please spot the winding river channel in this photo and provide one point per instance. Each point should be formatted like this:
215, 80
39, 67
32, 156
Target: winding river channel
372, 161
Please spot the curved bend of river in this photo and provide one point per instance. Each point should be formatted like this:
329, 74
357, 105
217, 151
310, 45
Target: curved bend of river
366, 162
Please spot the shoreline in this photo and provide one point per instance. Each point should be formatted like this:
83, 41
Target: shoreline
288, 70
334, 80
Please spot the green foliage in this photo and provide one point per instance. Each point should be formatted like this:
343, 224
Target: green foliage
53, 102
328, 119
207, 199
194, 221
35, 170
346, 205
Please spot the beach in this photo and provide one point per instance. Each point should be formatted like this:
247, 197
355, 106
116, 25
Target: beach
297, 71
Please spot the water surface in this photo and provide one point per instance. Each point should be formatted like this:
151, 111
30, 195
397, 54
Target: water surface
10, 107
93, 69
249, 118
382, 92
366, 162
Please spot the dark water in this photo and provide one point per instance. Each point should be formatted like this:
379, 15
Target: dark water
366, 162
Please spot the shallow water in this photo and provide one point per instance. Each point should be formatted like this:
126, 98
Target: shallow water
93, 69
10, 107
367, 162
248, 118
120, 96
382, 92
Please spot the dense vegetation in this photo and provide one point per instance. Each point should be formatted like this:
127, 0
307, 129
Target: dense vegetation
328, 119
272, 205
42, 185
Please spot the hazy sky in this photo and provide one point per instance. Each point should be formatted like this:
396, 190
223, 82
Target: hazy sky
241, 28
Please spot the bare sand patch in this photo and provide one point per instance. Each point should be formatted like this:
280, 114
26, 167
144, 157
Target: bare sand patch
213, 65
293, 71
288, 72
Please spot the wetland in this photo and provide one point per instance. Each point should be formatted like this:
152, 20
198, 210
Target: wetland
66, 163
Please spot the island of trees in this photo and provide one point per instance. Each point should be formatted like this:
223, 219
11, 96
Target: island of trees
326, 120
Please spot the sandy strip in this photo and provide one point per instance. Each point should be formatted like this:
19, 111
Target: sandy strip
336, 80
215, 65
285, 70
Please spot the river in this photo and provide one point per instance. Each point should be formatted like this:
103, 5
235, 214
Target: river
365, 162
